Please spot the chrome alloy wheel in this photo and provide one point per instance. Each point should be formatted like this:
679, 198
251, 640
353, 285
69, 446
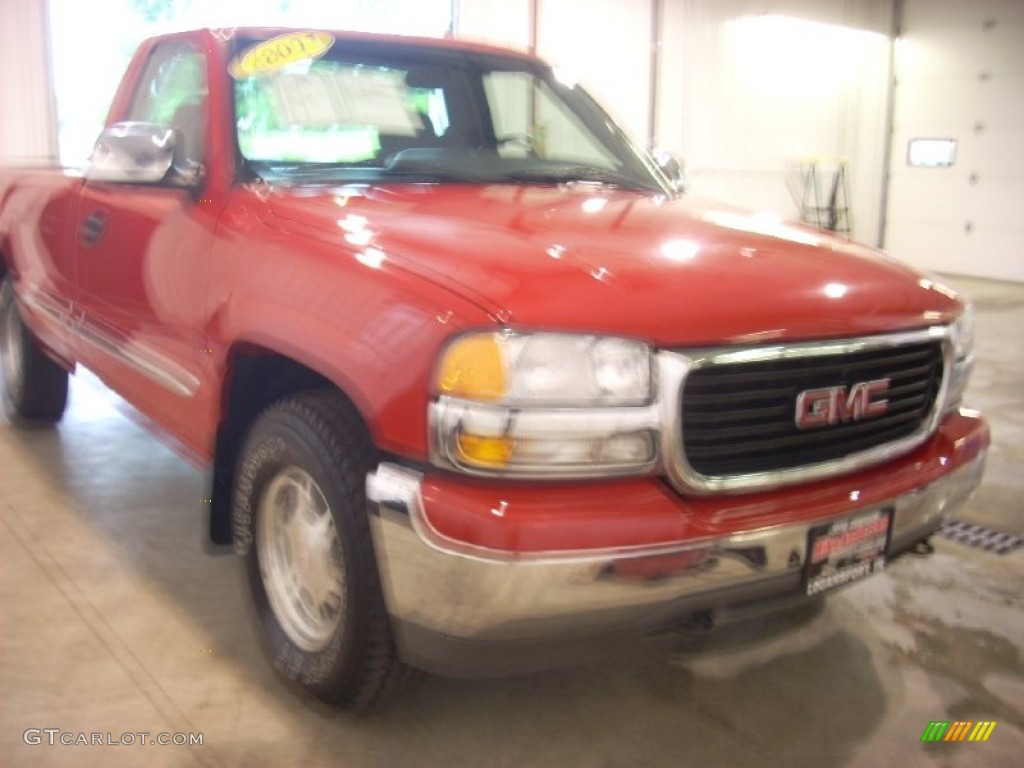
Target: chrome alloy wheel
301, 561
11, 354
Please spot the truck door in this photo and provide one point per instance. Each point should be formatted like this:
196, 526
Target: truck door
37, 211
141, 256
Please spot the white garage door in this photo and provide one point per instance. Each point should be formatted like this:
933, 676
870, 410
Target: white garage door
960, 80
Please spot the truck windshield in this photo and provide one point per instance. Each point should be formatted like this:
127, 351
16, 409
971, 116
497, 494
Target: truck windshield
372, 111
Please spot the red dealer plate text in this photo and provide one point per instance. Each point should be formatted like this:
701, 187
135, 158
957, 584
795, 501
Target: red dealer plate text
847, 550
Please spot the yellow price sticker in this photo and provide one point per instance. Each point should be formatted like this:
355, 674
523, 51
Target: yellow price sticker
278, 52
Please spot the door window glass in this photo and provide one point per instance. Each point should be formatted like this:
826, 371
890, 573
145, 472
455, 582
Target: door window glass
173, 91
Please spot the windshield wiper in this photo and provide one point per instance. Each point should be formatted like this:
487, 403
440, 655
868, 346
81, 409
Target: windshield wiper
434, 174
368, 171
415, 170
563, 174
263, 167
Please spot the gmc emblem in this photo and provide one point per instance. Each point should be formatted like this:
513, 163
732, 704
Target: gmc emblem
836, 405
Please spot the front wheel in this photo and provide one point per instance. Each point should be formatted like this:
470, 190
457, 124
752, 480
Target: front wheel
299, 495
35, 389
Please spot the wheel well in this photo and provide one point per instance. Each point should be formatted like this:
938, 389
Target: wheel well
256, 377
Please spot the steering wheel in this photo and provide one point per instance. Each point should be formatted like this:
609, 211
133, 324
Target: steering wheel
524, 140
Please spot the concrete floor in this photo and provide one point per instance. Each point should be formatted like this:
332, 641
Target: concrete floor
113, 619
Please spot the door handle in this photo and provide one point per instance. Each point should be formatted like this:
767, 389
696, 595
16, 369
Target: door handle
93, 228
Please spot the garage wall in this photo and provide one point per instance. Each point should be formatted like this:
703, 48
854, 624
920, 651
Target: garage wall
606, 46
744, 90
27, 123
960, 70
751, 90
501, 22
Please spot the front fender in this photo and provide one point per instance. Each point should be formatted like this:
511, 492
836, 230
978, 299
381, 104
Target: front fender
374, 334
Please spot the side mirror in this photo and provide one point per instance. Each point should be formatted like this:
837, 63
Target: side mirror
141, 153
672, 166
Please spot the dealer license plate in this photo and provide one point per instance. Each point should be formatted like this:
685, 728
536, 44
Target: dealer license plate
846, 550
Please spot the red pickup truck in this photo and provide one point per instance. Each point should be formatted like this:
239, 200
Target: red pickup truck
480, 390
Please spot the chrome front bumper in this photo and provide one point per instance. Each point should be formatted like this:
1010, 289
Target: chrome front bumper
486, 613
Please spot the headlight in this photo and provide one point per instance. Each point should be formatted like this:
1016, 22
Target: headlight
963, 333
962, 337
545, 404
546, 369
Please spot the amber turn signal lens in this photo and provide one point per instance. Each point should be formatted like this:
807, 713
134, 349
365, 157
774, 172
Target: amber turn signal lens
492, 452
473, 367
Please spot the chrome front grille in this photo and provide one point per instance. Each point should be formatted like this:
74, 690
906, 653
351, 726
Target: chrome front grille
738, 410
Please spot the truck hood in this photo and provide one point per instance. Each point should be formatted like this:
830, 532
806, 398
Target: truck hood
584, 257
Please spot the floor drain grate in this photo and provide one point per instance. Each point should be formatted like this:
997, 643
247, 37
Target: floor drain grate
980, 537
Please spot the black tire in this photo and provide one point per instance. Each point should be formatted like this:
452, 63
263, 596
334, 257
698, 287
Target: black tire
35, 388
301, 484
